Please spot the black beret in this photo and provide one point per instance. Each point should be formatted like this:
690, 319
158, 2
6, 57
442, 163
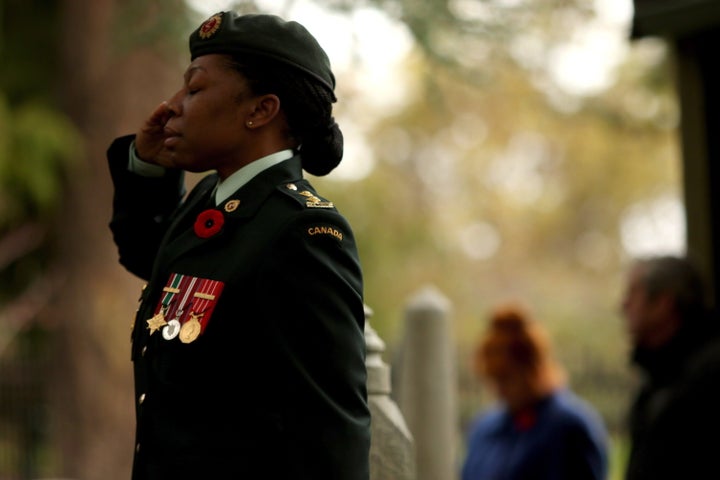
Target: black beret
263, 35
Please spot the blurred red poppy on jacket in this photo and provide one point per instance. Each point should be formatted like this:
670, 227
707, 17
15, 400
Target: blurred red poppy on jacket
208, 223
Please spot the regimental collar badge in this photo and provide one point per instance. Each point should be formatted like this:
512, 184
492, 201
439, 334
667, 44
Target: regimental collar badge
210, 26
232, 205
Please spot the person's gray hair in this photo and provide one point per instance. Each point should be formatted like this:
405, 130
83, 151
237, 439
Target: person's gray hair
678, 276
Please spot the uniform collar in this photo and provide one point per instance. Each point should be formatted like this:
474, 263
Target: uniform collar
241, 177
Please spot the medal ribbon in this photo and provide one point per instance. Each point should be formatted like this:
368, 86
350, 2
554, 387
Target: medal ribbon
170, 290
186, 287
206, 296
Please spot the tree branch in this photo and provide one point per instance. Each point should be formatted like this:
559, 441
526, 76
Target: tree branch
22, 312
20, 242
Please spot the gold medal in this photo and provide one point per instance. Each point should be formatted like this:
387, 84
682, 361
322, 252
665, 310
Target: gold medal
156, 322
190, 329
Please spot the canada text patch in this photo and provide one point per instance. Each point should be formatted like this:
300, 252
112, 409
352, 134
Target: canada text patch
323, 230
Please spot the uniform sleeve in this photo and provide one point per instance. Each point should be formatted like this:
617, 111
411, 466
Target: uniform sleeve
319, 321
142, 207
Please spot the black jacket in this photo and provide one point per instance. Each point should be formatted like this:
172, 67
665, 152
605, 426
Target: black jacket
675, 419
274, 386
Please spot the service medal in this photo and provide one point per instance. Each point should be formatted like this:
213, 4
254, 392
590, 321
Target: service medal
190, 329
171, 330
156, 322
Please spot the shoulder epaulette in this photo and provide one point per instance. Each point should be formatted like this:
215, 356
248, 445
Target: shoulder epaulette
305, 196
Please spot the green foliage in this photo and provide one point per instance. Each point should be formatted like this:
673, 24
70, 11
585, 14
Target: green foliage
39, 148
28, 55
464, 37
619, 453
39, 145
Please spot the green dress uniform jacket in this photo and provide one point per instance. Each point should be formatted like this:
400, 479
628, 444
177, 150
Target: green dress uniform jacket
274, 386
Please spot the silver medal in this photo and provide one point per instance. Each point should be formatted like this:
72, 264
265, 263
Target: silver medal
171, 330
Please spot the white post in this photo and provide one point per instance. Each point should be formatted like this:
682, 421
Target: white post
427, 384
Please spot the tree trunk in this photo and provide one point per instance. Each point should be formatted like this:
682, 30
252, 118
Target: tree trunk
107, 92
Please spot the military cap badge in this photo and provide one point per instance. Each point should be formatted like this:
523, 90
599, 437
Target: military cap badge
210, 26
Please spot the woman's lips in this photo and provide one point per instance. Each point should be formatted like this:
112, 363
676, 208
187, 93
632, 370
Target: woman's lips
172, 137
171, 132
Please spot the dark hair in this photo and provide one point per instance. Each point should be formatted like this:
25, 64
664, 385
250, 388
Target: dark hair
307, 104
677, 276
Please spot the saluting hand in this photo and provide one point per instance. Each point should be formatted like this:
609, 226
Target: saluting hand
149, 141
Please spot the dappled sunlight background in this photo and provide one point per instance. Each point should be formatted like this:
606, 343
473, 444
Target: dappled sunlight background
528, 162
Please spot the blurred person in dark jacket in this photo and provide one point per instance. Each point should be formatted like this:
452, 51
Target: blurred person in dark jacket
539, 429
248, 344
675, 415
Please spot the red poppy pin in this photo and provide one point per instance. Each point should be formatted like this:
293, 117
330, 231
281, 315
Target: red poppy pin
208, 223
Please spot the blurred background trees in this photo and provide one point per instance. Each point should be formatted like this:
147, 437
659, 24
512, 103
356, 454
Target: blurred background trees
474, 167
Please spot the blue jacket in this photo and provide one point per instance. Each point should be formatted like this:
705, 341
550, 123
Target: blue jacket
563, 438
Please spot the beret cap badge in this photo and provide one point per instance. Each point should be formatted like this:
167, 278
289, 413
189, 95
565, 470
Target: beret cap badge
210, 26
268, 37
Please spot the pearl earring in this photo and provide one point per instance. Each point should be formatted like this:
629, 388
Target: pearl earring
249, 123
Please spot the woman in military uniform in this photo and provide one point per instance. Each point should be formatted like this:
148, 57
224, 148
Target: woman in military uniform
248, 344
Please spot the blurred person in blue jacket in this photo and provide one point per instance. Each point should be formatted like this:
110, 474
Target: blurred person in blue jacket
538, 429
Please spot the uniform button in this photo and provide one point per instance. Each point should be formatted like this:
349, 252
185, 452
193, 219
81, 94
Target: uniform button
144, 349
141, 399
137, 448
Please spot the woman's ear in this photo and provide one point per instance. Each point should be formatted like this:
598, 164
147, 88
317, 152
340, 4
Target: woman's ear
264, 111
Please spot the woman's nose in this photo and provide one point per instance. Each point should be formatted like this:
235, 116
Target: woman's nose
174, 104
